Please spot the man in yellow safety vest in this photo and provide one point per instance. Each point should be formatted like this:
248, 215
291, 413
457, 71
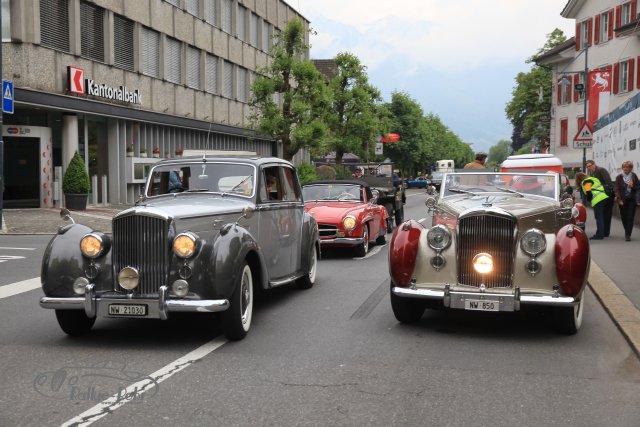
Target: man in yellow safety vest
594, 189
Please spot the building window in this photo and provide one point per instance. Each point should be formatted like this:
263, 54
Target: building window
564, 132
240, 23
212, 74
193, 67
227, 75
54, 24
92, 31
623, 76
173, 61
603, 27
123, 43
227, 15
150, 52
266, 38
242, 84
193, 7
210, 11
625, 13
585, 39
176, 3
564, 90
253, 30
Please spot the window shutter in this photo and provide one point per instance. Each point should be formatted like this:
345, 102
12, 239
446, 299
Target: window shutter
610, 24
576, 80
210, 11
578, 36
227, 89
631, 74
193, 67
242, 84
564, 123
616, 77
618, 18
559, 92
633, 9
150, 52
253, 30
589, 31
54, 24
265, 36
638, 75
226, 16
92, 31
241, 12
173, 60
123, 42
212, 74
596, 33
193, 7
569, 86
176, 3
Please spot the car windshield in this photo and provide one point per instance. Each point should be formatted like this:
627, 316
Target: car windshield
436, 175
521, 184
225, 178
340, 192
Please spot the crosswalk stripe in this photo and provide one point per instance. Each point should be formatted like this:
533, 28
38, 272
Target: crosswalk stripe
19, 287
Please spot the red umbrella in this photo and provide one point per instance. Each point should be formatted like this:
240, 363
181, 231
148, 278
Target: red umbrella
390, 138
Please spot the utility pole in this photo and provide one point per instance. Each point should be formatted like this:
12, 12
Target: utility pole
1, 141
586, 97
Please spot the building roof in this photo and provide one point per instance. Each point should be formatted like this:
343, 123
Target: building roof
328, 67
546, 56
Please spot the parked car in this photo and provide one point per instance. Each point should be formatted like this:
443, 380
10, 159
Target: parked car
234, 225
436, 180
419, 182
347, 214
391, 194
496, 242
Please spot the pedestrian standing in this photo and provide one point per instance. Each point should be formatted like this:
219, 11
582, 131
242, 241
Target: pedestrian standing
594, 190
603, 176
626, 190
478, 163
580, 176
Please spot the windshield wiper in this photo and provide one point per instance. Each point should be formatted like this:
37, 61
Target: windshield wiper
197, 190
457, 190
508, 190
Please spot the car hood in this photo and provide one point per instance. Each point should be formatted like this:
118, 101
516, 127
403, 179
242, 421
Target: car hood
514, 204
332, 211
188, 206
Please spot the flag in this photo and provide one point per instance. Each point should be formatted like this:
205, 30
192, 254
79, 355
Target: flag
599, 91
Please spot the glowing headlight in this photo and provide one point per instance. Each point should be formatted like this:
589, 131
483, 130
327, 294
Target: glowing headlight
184, 245
439, 238
128, 278
483, 263
349, 223
533, 242
91, 245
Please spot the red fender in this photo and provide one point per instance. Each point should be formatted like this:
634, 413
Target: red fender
572, 259
582, 213
403, 252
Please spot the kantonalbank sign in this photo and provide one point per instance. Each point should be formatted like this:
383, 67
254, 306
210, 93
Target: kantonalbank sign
79, 85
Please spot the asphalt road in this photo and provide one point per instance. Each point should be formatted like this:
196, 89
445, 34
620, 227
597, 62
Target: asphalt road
331, 355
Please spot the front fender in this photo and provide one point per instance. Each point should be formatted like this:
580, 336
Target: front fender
403, 252
572, 259
310, 239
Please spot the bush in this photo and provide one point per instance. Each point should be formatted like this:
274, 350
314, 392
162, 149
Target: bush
326, 172
76, 178
306, 173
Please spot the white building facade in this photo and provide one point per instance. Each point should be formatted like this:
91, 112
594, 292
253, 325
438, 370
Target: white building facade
122, 80
607, 44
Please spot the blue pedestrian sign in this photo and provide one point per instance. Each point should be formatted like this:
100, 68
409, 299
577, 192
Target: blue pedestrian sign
7, 97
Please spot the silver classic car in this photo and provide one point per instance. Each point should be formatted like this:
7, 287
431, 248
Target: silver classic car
495, 242
207, 233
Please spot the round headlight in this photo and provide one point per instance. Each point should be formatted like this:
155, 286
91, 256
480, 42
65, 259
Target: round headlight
184, 245
483, 263
533, 242
91, 245
575, 212
80, 285
439, 237
180, 288
349, 223
128, 278
430, 202
566, 203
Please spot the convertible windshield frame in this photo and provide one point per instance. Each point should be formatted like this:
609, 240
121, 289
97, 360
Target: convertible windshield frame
518, 184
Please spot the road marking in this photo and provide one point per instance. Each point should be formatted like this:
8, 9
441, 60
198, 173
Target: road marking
109, 405
17, 249
19, 287
371, 252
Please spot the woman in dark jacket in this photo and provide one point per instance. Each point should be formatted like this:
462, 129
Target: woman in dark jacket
626, 188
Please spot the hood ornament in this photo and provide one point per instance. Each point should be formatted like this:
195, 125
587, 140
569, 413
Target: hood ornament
487, 203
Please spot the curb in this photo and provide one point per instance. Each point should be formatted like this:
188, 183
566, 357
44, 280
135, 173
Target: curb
621, 310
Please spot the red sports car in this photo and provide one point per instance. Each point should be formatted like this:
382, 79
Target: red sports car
346, 213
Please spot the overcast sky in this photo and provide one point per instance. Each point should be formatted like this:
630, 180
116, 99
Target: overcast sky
457, 58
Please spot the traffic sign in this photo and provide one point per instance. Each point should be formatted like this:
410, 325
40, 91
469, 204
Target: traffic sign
584, 133
7, 97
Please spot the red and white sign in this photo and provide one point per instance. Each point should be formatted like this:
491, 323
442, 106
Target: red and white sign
599, 92
584, 137
76, 79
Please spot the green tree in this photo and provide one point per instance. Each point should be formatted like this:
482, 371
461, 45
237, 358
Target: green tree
499, 152
301, 87
355, 116
407, 120
530, 105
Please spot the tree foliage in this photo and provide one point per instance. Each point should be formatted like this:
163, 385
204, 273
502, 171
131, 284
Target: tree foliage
530, 105
299, 86
76, 178
499, 152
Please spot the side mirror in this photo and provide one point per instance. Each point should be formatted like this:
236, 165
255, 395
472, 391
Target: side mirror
66, 215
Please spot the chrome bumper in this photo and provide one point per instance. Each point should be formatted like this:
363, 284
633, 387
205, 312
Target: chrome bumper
346, 241
156, 308
508, 302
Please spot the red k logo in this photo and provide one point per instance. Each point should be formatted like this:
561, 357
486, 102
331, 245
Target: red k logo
75, 79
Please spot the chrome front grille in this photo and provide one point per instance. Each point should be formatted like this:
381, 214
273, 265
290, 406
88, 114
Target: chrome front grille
327, 231
141, 242
494, 235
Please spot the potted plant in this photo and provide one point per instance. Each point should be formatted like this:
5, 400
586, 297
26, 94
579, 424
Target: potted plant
76, 184
143, 152
156, 151
130, 150
179, 151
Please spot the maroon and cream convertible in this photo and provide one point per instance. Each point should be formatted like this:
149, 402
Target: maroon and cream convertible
495, 242
346, 213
